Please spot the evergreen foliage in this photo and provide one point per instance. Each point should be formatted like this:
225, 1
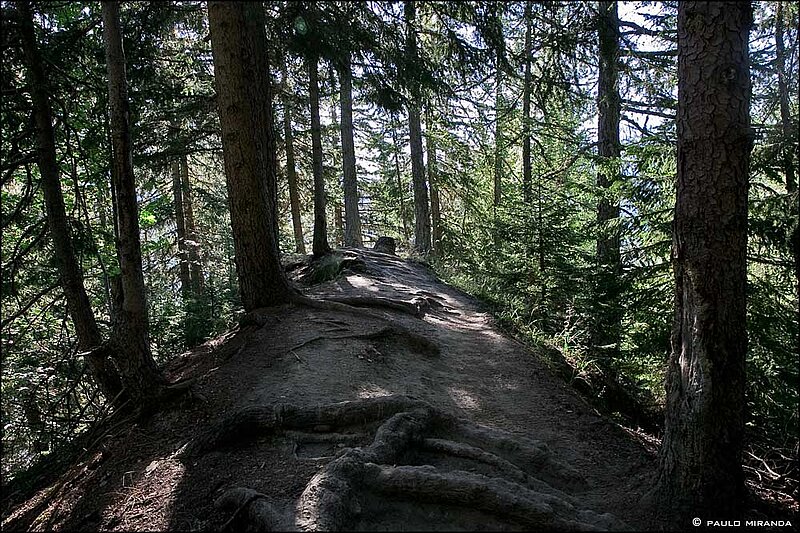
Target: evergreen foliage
533, 260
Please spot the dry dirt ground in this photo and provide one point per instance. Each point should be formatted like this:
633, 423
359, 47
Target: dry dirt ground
469, 433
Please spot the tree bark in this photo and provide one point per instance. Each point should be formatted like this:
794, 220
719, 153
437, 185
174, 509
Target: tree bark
400, 188
291, 167
78, 303
320, 244
527, 181
422, 222
498, 141
180, 223
352, 235
700, 457
193, 238
244, 96
789, 150
608, 319
436, 222
140, 376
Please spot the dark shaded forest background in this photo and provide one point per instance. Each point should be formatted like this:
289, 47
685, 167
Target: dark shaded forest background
520, 190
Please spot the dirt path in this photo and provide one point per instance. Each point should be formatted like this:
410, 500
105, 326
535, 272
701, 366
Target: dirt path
143, 478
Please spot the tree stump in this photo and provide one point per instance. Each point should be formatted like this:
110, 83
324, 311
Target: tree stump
386, 245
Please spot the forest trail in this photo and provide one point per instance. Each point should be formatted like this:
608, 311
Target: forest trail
155, 476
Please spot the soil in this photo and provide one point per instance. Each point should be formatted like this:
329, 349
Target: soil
154, 475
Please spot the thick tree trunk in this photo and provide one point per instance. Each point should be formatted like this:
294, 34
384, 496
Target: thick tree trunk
180, 223
436, 217
320, 244
239, 46
193, 239
527, 195
701, 453
78, 304
422, 222
608, 322
140, 375
291, 167
352, 235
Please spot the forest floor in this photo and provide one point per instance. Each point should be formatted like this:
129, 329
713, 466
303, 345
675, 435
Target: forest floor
469, 432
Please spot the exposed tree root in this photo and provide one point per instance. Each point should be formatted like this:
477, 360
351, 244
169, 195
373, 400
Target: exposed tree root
331, 499
251, 508
493, 495
416, 307
418, 342
382, 333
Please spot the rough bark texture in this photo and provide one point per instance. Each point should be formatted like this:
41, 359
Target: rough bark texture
422, 221
526, 111
608, 325
320, 244
140, 376
78, 304
291, 167
700, 459
245, 109
352, 232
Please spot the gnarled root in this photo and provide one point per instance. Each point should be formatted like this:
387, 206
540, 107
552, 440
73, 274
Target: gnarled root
331, 500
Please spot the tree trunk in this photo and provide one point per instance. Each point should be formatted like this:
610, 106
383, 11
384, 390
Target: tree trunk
783, 93
140, 375
422, 222
436, 222
291, 167
701, 453
180, 223
789, 149
244, 96
526, 112
193, 239
78, 302
608, 319
498, 141
352, 236
320, 245
400, 188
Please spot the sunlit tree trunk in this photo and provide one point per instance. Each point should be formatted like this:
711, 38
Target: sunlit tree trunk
239, 46
140, 376
320, 244
78, 303
291, 167
701, 452
352, 235
422, 221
